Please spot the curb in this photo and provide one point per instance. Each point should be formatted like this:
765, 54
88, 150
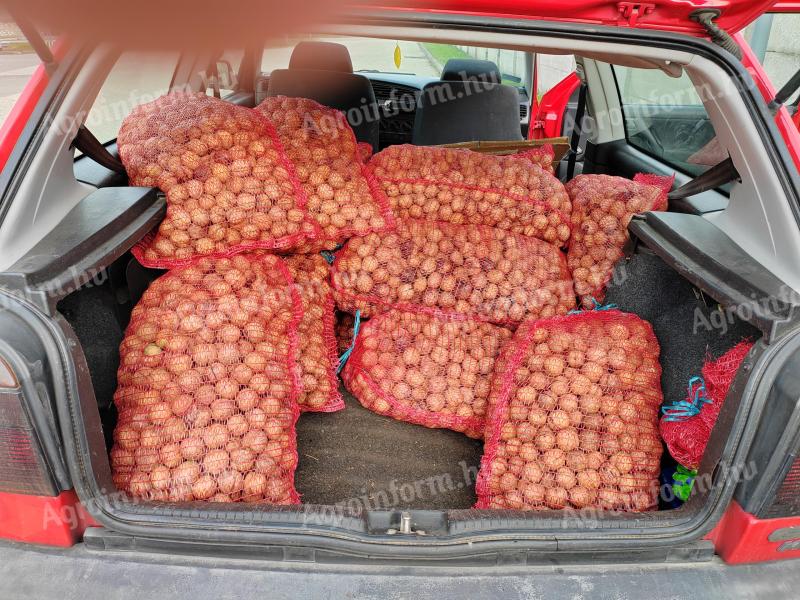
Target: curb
435, 64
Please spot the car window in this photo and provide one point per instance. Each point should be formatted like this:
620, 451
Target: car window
18, 61
551, 70
135, 78
228, 65
423, 59
665, 117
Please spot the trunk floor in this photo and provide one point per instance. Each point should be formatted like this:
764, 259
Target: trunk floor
357, 457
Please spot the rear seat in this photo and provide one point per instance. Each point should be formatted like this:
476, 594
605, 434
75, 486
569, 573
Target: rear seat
469, 103
323, 71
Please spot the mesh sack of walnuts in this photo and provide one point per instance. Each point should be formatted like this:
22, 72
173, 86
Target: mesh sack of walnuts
208, 385
573, 417
470, 188
343, 197
602, 207
426, 369
440, 268
228, 183
317, 356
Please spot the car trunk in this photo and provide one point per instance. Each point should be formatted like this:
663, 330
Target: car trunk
358, 459
384, 489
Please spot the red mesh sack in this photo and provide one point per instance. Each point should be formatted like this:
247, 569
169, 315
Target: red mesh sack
317, 356
343, 197
465, 187
543, 156
208, 385
228, 183
602, 207
686, 427
149, 149
439, 268
345, 322
429, 370
573, 418
364, 151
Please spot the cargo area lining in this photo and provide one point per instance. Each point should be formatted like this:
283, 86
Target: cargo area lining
360, 459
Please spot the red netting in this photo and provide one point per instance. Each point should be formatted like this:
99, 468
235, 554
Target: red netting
573, 418
208, 385
344, 330
602, 207
440, 268
687, 439
429, 370
543, 156
228, 183
343, 197
465, 187
364, 151
318, 358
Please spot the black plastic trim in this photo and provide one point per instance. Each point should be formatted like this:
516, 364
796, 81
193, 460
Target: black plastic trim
98, 230
713, 262
89, 171
776, 445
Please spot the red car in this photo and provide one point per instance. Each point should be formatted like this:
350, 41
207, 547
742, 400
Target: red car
662, 86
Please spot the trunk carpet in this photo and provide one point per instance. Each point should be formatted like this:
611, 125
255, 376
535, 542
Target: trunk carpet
363, 459
357, 457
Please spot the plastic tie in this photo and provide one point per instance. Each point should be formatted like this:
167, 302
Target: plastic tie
330, 255
685, 409
346, 354
597, 307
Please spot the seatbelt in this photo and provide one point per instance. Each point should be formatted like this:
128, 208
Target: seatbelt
577, 130
91, 147
719, 174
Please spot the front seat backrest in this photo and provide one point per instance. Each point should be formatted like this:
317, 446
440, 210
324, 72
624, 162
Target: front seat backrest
468, 104
322, 71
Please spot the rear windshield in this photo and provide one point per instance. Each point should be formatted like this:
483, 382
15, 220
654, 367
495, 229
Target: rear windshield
423, 59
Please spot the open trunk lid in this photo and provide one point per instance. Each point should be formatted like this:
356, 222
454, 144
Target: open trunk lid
258, 20
663, 15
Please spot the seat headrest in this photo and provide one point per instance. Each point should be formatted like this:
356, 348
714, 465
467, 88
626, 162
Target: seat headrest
466, 69
322, 56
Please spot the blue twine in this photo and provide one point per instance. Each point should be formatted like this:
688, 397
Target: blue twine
685, 409
346, 354
597, 307
330, 255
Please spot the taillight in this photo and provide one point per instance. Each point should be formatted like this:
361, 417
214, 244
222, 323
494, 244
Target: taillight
23, 469
786, 501
763, 521
33, 507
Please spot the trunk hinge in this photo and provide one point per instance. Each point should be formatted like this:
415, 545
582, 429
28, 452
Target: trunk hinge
631, 11
705, 17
